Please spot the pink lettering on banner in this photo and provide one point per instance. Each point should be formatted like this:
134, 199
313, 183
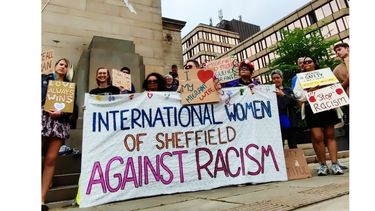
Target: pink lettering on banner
117, 181
107, 168
93, 181
222, 164
133, 178
228, 164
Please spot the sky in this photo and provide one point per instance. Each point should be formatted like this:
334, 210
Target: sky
259, 12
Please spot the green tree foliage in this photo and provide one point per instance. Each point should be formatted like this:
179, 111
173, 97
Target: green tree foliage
300, 43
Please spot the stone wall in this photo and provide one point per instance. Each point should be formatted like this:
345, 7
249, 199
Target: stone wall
68, 27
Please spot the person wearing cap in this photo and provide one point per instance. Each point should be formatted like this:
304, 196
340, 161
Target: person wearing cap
245, 71
287, 113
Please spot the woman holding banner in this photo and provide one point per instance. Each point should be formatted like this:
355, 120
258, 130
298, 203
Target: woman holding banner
321, 125
55, 128
154, 82
104, 81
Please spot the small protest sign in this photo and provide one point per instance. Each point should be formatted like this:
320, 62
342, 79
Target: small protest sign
121, 79
226, 69
327, 98
47, 61
60, 96
296, 165
197, 86
317, 77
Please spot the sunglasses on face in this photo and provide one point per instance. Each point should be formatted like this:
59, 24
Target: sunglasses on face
152, 81
187, 67
308, 62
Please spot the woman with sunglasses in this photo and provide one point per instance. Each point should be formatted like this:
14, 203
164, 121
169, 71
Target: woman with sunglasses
321, 125
191, 64
154, 82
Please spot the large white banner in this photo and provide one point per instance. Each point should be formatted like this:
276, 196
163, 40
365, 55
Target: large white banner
149, 144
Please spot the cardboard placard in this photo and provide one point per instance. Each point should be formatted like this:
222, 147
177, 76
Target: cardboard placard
197, 86
121, 79
60, 96
327, 98
319, 77
296, 165
47, 61
226, 69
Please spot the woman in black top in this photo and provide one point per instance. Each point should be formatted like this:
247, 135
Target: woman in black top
105, 87
286, 103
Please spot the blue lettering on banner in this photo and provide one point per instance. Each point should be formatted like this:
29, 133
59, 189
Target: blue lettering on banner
185, 116
257, 109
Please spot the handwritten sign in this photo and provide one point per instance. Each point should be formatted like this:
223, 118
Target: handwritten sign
327, 98
226, 69
317, 77
197, 86
121, 79
152, 144
47, 62
60, 96
296, 165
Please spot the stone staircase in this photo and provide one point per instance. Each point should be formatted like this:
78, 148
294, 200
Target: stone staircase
65, 180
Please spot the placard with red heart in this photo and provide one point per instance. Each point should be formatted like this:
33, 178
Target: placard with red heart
205, 75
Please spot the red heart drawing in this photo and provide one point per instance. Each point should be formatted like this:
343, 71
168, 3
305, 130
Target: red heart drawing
339, 91
149, 95
205, 75
312, 99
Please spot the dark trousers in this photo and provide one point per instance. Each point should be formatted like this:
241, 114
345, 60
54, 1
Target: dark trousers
291, 135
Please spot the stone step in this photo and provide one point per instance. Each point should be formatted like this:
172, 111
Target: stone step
68, 164
75, 140
65, 180
63, 193
340, 154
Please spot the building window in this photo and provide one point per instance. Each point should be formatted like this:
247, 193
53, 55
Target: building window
333, 28
273, 39
297, 24
311, 18
334, 6
266, 60
341, 4
346, 21
340, 25
326, 10
291, 26
304, 22
255, 63
325, 32
252, 50
272, 56
319, 14
260, 62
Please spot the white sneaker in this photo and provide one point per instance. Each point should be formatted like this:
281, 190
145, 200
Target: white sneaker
323, 170
336, 170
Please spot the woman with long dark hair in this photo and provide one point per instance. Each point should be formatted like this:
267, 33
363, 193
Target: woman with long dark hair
321, 125
154, 82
